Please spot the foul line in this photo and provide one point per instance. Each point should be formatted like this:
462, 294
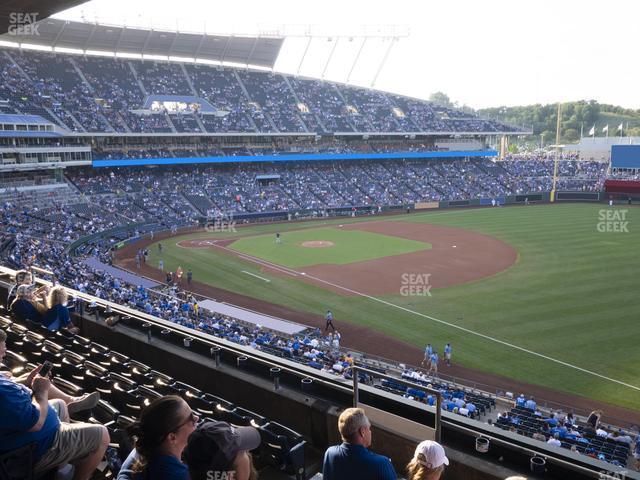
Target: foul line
257, 276
259, 261
443, 322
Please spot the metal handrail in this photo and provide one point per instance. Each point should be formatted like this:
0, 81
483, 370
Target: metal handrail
438, 395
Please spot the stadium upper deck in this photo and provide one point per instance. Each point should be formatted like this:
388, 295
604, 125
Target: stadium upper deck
97, 95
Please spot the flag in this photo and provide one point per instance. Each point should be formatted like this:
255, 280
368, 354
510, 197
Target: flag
620, 127
593, 130
605, 129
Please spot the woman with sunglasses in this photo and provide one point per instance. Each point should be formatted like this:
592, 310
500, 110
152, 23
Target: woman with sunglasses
160, 436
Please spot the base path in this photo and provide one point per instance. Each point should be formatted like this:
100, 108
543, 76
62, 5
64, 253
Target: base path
456, 256
373, 342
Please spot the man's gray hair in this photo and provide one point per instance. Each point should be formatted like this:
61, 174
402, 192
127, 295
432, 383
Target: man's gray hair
350, 421
3, 336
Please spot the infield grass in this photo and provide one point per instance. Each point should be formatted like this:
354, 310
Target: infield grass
572, 296
348, 246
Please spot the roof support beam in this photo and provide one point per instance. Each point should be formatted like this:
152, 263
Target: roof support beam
54, 44
122, 32
86, 43
355, 61
384, 60
146, 42
253, 49
202, 38
226, 47
306, 49
173, 42
326, 65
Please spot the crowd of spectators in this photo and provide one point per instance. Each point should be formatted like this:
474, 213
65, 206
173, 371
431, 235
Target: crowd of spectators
99, 94
165, 197
240, 188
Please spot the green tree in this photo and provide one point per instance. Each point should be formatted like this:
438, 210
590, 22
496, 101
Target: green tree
441, 98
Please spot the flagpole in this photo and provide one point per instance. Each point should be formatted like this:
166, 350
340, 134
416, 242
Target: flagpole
581, 130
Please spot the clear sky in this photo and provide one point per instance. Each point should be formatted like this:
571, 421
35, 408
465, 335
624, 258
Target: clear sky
480, 53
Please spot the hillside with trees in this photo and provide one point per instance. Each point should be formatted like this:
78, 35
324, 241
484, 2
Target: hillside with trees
576, 117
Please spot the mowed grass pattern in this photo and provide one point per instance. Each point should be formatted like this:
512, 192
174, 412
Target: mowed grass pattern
348, 246
572, 295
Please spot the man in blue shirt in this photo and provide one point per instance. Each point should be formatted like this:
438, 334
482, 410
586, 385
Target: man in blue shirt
447, 354
428, 350
25, 419
530, 404
352, 459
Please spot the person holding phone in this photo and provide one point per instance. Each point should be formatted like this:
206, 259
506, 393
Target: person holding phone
30, 416
72, 404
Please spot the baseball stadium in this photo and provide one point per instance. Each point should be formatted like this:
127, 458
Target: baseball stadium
184, 227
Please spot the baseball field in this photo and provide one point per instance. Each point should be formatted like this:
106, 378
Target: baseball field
540, 295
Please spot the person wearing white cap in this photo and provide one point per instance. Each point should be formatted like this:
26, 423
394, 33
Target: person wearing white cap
428, 461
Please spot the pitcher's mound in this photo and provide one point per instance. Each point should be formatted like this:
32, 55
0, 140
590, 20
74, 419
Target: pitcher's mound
317, 244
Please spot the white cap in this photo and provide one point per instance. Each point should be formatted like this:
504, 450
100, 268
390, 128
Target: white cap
433, 453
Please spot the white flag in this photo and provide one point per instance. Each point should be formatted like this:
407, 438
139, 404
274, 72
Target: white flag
605, 129
593, 130
620, 127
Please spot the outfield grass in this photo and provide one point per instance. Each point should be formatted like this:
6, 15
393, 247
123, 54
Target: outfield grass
572, 295
349, 246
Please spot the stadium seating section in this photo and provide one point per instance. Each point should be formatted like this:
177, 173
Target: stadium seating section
98, 94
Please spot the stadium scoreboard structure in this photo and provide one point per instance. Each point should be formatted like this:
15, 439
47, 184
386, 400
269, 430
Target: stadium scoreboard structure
625, 156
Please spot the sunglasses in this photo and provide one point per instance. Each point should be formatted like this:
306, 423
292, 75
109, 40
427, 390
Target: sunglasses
193, 419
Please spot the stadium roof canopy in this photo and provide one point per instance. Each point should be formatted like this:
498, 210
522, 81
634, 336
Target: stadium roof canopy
259, 51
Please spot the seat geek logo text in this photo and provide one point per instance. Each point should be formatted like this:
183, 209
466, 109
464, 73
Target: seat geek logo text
613, 221
23, 24
415, 285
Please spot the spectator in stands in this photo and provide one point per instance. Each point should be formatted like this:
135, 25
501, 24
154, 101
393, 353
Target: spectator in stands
222, 449
555, 440
74, 404
593, 420
530, 404
28, 415
57, 316
160, 434
23, 277
25, 306
352, 459
428, 461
